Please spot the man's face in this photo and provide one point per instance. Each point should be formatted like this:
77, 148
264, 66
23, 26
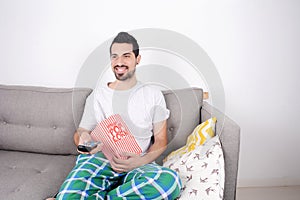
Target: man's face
123, 61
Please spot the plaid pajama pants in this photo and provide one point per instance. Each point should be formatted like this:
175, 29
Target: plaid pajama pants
93, 178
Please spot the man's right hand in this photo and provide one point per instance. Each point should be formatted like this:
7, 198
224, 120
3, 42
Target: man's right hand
84, 137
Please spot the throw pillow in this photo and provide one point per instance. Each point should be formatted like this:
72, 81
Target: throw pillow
201, 171
199, 136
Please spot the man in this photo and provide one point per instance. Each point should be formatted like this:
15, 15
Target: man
144, 110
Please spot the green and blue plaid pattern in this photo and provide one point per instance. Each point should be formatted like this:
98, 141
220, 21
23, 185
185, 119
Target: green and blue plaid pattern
93, 178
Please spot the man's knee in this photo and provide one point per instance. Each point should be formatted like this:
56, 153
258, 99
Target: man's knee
167, 182
169, 176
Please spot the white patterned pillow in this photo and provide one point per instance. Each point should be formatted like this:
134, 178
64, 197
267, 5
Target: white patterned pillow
201, 171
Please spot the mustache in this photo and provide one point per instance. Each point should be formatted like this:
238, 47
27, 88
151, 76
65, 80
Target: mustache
120, 66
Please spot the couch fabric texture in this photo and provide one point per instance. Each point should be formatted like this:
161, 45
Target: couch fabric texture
36, 146
36, 136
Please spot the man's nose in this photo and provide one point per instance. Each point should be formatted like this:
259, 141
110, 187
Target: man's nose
119, 61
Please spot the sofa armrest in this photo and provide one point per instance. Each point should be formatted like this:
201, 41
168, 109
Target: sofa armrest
229, 133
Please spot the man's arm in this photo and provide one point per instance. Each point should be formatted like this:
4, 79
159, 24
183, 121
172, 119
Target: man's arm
155, 150
160, 142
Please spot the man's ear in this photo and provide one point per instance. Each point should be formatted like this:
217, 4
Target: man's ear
138, 59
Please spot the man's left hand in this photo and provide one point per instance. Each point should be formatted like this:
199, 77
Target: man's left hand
125, 165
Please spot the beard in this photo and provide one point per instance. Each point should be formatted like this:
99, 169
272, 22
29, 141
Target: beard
125, 76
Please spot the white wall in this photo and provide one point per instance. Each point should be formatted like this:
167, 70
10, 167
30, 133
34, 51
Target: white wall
254, 44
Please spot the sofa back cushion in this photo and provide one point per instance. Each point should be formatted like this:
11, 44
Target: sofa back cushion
39, 119
184, 106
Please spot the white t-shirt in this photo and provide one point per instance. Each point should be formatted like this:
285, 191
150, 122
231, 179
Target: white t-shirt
140, 107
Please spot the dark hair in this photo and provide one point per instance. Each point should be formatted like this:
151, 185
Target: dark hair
124, 37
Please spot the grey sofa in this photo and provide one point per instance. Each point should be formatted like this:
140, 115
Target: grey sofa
36, 136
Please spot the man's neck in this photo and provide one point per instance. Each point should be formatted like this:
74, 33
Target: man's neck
123, 85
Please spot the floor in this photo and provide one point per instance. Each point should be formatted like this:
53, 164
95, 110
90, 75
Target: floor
269, 193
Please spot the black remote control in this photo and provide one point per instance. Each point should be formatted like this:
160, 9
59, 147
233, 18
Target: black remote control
88, 146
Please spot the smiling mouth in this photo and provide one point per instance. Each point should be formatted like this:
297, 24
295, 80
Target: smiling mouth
120, 69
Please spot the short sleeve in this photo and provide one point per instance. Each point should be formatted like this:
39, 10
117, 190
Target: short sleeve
88, 120
159, 111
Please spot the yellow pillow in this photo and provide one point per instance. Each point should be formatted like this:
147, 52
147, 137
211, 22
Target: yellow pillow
199, 136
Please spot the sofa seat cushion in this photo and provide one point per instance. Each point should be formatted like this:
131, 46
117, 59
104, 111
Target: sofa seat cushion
32, 176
